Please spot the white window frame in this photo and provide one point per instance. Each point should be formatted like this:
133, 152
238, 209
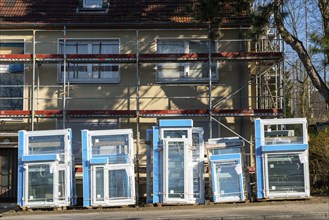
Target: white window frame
18, 40
284, 121
89, 42
129, 168
95, 5
185, 78
306, 192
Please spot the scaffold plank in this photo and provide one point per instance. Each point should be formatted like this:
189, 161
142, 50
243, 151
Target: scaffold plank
146, 58
142, 113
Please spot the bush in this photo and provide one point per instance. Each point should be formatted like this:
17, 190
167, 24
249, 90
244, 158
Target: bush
319, 162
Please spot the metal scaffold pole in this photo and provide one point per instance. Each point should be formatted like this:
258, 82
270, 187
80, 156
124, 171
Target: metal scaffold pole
33, 81
137, 114
64, 78
210, 84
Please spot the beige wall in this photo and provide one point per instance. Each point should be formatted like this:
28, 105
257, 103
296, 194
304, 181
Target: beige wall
122, 96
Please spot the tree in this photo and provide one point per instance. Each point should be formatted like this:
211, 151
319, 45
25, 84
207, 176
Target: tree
298, 46
210, 11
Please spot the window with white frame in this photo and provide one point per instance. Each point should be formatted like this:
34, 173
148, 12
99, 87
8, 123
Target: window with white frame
185, 72
90, 72
11, 78
93, 4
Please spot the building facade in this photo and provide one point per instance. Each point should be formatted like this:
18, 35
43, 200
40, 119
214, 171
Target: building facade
106, 64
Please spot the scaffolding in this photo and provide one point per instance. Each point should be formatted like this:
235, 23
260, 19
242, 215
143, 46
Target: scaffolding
266, 75
263, 57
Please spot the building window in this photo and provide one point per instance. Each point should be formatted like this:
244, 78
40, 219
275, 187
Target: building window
184, 72
93, 4
11, 79
90, 72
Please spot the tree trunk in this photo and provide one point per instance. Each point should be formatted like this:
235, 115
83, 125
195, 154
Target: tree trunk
298, 46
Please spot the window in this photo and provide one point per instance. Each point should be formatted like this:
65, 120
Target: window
184, 72
91, 72
93, 4
11, 79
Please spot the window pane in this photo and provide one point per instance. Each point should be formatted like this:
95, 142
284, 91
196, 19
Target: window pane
40, 183
46, 144
90, 72
99, 184
92, 3
227, 180
11, 79
171, 47
61, 185
184, 71
283, 134
115, 147
119, 184
176, 169
285, 173
175, 134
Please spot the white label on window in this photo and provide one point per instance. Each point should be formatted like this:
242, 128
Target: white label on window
98, 196
273, 187
303, 157
172, 191
183, 136
59, 193
238, 169
96, 140
222, 192
31, 197
271, 165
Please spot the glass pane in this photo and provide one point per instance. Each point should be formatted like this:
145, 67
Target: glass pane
196, 166
46, 144
171, 70
175, 134
283, 134
4, 175
198, 47
40, 183
176, 169
115, 147
119, 184
171, 46
11, 79
61, 185
227, 180
285, 173
99, 184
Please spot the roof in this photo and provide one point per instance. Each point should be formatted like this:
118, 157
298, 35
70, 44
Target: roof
120, 12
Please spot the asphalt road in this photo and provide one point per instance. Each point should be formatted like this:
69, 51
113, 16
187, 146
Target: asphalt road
318, 209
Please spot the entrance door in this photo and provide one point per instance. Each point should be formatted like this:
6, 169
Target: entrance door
175, 171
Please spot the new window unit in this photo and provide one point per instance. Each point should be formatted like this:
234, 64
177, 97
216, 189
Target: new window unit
108, 168
226, 162
184, 72
175, 163
282, 158
45, 169
90, 72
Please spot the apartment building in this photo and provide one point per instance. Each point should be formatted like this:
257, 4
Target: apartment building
104, 64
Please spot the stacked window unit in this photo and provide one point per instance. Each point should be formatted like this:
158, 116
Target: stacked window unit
45, 169
226, 162
175, 163
282, 158
108, 168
